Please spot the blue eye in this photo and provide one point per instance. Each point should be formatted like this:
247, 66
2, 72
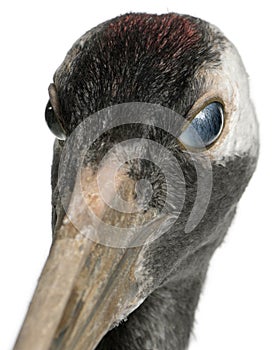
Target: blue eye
205, 128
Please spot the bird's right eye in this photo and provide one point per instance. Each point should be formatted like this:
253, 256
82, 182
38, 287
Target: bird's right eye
53, 122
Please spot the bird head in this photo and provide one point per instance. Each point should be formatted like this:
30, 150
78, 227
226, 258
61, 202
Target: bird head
156, 142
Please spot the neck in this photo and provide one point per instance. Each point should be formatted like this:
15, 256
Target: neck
163, 321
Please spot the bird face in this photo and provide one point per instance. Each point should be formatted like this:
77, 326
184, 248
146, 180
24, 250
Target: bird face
156, 142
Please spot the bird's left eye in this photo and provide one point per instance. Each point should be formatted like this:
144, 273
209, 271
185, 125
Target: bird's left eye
205, 128
53, 122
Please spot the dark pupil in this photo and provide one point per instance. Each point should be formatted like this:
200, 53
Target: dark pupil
53, 122
49, 114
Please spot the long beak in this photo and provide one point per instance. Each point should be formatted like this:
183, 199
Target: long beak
85, 289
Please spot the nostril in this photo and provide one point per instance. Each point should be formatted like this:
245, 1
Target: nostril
144, 192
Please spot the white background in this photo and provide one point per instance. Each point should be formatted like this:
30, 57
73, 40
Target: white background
235, 309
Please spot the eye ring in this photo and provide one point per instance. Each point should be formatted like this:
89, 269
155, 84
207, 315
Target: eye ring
52, 114
205, 128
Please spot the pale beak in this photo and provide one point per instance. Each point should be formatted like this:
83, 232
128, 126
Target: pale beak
85, 287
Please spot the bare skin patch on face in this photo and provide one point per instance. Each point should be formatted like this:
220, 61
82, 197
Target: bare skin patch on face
172, 29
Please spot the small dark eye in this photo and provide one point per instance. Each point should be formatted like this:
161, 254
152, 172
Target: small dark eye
205, 128
53, 122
